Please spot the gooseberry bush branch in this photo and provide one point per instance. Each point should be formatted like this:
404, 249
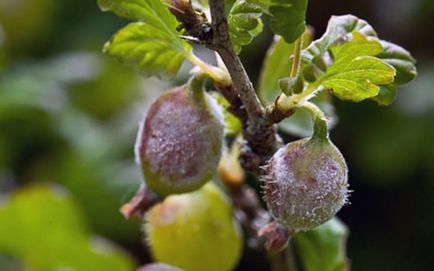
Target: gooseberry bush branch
191, 158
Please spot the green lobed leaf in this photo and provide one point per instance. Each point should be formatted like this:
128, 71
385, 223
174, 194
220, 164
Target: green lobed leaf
153, 43
140, 10
355, 74
244, 21
401, 60
43, 228
360, 79
323, 248
287, 18
359, 45
339, 29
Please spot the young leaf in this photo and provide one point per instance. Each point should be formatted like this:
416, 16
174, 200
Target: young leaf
360, 79
358, 46
287, 18
323, 248
401, 60
152, 49
139, 10
244, 21
153, 43
338, 30
356, 75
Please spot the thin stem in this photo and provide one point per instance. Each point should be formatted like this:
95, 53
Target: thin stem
320, 131
217, 74
297, 57
314, 109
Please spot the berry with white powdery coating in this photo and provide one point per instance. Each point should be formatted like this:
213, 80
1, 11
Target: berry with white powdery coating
306, 182
179, 144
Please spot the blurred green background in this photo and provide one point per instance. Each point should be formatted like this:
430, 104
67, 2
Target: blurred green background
68, 118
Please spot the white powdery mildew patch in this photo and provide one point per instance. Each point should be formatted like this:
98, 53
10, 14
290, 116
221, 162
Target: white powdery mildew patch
305, 185
177, 143
181, 138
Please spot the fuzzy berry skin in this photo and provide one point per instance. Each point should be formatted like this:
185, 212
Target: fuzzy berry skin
180, 142
306, 183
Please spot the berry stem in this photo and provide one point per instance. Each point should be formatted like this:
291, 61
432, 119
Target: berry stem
314, 110
219, 75
320, 131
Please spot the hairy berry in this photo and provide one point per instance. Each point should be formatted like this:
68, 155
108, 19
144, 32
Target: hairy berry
305, 183
180, 142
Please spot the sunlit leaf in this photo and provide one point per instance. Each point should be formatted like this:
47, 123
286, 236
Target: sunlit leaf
153, 12
153, 43
355, 74
339, 29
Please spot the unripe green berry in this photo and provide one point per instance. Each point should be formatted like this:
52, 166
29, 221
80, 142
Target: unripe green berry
305, 182
195, 231
180, 142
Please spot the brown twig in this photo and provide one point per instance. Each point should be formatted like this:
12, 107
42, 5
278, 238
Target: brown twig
259, 132
222, 44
